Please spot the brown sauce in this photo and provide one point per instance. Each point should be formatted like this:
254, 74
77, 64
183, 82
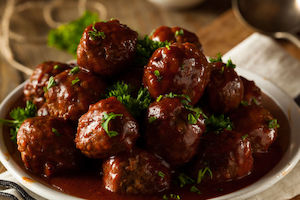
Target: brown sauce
87, 183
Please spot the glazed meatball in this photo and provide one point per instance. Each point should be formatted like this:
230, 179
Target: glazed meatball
173, 131
225, 90
46, 145
179, 68
107, 48
228, 155
252, 93
106, 129
175, 34
258, 124
138, 172
70, 94
33, 90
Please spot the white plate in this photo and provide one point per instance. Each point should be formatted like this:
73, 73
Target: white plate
286, 164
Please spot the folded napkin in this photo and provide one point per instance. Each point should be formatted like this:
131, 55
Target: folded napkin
263, 56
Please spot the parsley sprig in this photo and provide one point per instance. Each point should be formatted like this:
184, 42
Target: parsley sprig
273, 124
67, 37
202, 173
145, 49
179, 32
95, 34
135, 105
18, 116
106, 119
218, 123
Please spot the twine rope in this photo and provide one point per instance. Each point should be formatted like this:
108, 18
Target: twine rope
7, 34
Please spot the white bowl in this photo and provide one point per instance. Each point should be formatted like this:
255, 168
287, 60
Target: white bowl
285, 165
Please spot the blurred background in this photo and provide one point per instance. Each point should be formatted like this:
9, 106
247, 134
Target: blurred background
25, 25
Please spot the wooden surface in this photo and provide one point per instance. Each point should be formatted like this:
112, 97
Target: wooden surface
215, 24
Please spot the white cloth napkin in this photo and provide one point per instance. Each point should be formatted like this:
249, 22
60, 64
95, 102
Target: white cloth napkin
263, 56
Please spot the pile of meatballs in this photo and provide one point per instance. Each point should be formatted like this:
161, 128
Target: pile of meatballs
74, 123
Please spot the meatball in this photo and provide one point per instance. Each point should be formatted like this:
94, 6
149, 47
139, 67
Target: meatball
33, 90
228, 155
46, 145
258, 124
173, 131
106, 129
252, 93
225, 90
175, 34
107, 48
138, 172
179, 68
71, 92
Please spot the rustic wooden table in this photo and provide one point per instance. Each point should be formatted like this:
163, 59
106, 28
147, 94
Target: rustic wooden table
213, 21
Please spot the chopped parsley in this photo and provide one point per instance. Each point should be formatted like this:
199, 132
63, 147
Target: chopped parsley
18, 116
193, 118
218, 123
95, 34
135, 105
230, 64
56, 67
67, 37
74, 70
186, 99
255, 101
195, 189
244, 103
55, 131
158, 76
171, 196
152, 119
145, 49
185, 180
202, 173
244, 137
179, 32
168, 47
51, 83
273, 124
218, 59
76, 80
161, 174
106, 119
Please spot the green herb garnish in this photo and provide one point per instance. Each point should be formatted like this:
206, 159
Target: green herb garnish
255, 101
76, 80
106, 119
55, 131
195, 189
185, 180
218, 123
145, 49
179, 32
273, 123
193, 118
67, 37
152, 119
218, 59
244, 103
161, 174
135, 105
74, 70
244, 136
230, 64
18, 116
56, 67
51, 83
94, 33
158, 76
202, 173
